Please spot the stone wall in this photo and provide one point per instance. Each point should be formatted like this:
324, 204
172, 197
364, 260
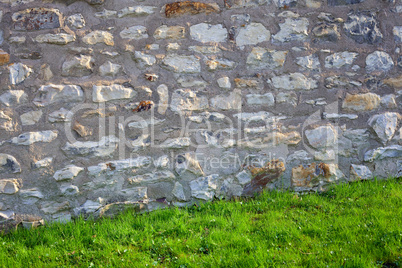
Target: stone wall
113, 103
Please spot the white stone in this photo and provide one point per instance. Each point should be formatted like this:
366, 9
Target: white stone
287, 97
182, 64
188, 100
9, 186
397, 31
17, 39
293, 29
145, 123
263, 58
31, 118
18, 73
204, 187
188, 81
293, 81
144, 60
359, 172
96, 37
339, 116
205, 49
156, 176
77, 66
260, 116
162, 162
340, 59
120, 165
206, 33
252, 34
76, 21
134, 33
51, 93
224, 82
169, 32
104, 147
163, 93
178, 191
6, 122
379, 61
67, 173
45, 162
61, 115
258, 99
109, 69
176, 143
8, 163
228, 102
113, 92
57, 39
140, 142
13, 97
136, 11
310, 62
393, 151
322, 137
243, 177
69, 190
29, 138
384, 125
214, 64
106, 14
388, 101
172, 47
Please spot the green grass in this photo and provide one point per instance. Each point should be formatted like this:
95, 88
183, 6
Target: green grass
351, 225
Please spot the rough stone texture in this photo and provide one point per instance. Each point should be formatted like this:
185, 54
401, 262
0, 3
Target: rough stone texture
106, 105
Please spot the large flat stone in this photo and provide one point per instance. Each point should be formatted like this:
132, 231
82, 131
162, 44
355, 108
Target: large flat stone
206, 33
104, 147
182, 63
113, 92
51, 93
189, 8
252, 34
36, 19
361, 102
29, 138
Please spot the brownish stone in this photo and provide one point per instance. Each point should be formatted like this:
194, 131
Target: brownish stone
395, 82
361, 102
4, 57
188, 7
262, 176
36, 19
81, 130
309, 176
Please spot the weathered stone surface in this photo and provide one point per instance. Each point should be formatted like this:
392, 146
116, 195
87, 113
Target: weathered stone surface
178, 192
343, 2
252, 34
144, 60
78, 66
19, 72
113, 92
111, 210
31, 118
287, 98
176, 143
163, 93
293, 81
384, 125
248, 83
293, 29
67, 173
219, 64
109, 69
9, 186
388, 101
228, 102
187, 166
134, 33
205, 49
106, 14
263, 100
57, 39
261, 176
53, 207
182, 64
122, 165
36, 19
379, 61
363, 28
340, 59
260, 116
13, 98
170, 32
136, 11
339, 116
361, 102
285, 3
359, 172
30, 196
81, 130
8, 164
140, 142
29, 138
310, 62
145, 123
69, 190
322, 137
205, 187
395, 82
51, 93
326, 32
76, 21
104, 147
157, 176
4, 57
393, 151
314, 175
45, 162
262, 58
397, 31
6, 122
189, 8
136, 193
188, 100
61, 115
224, 82
96, 37
206, 33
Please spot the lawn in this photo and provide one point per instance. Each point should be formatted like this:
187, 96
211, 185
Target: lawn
351, 225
